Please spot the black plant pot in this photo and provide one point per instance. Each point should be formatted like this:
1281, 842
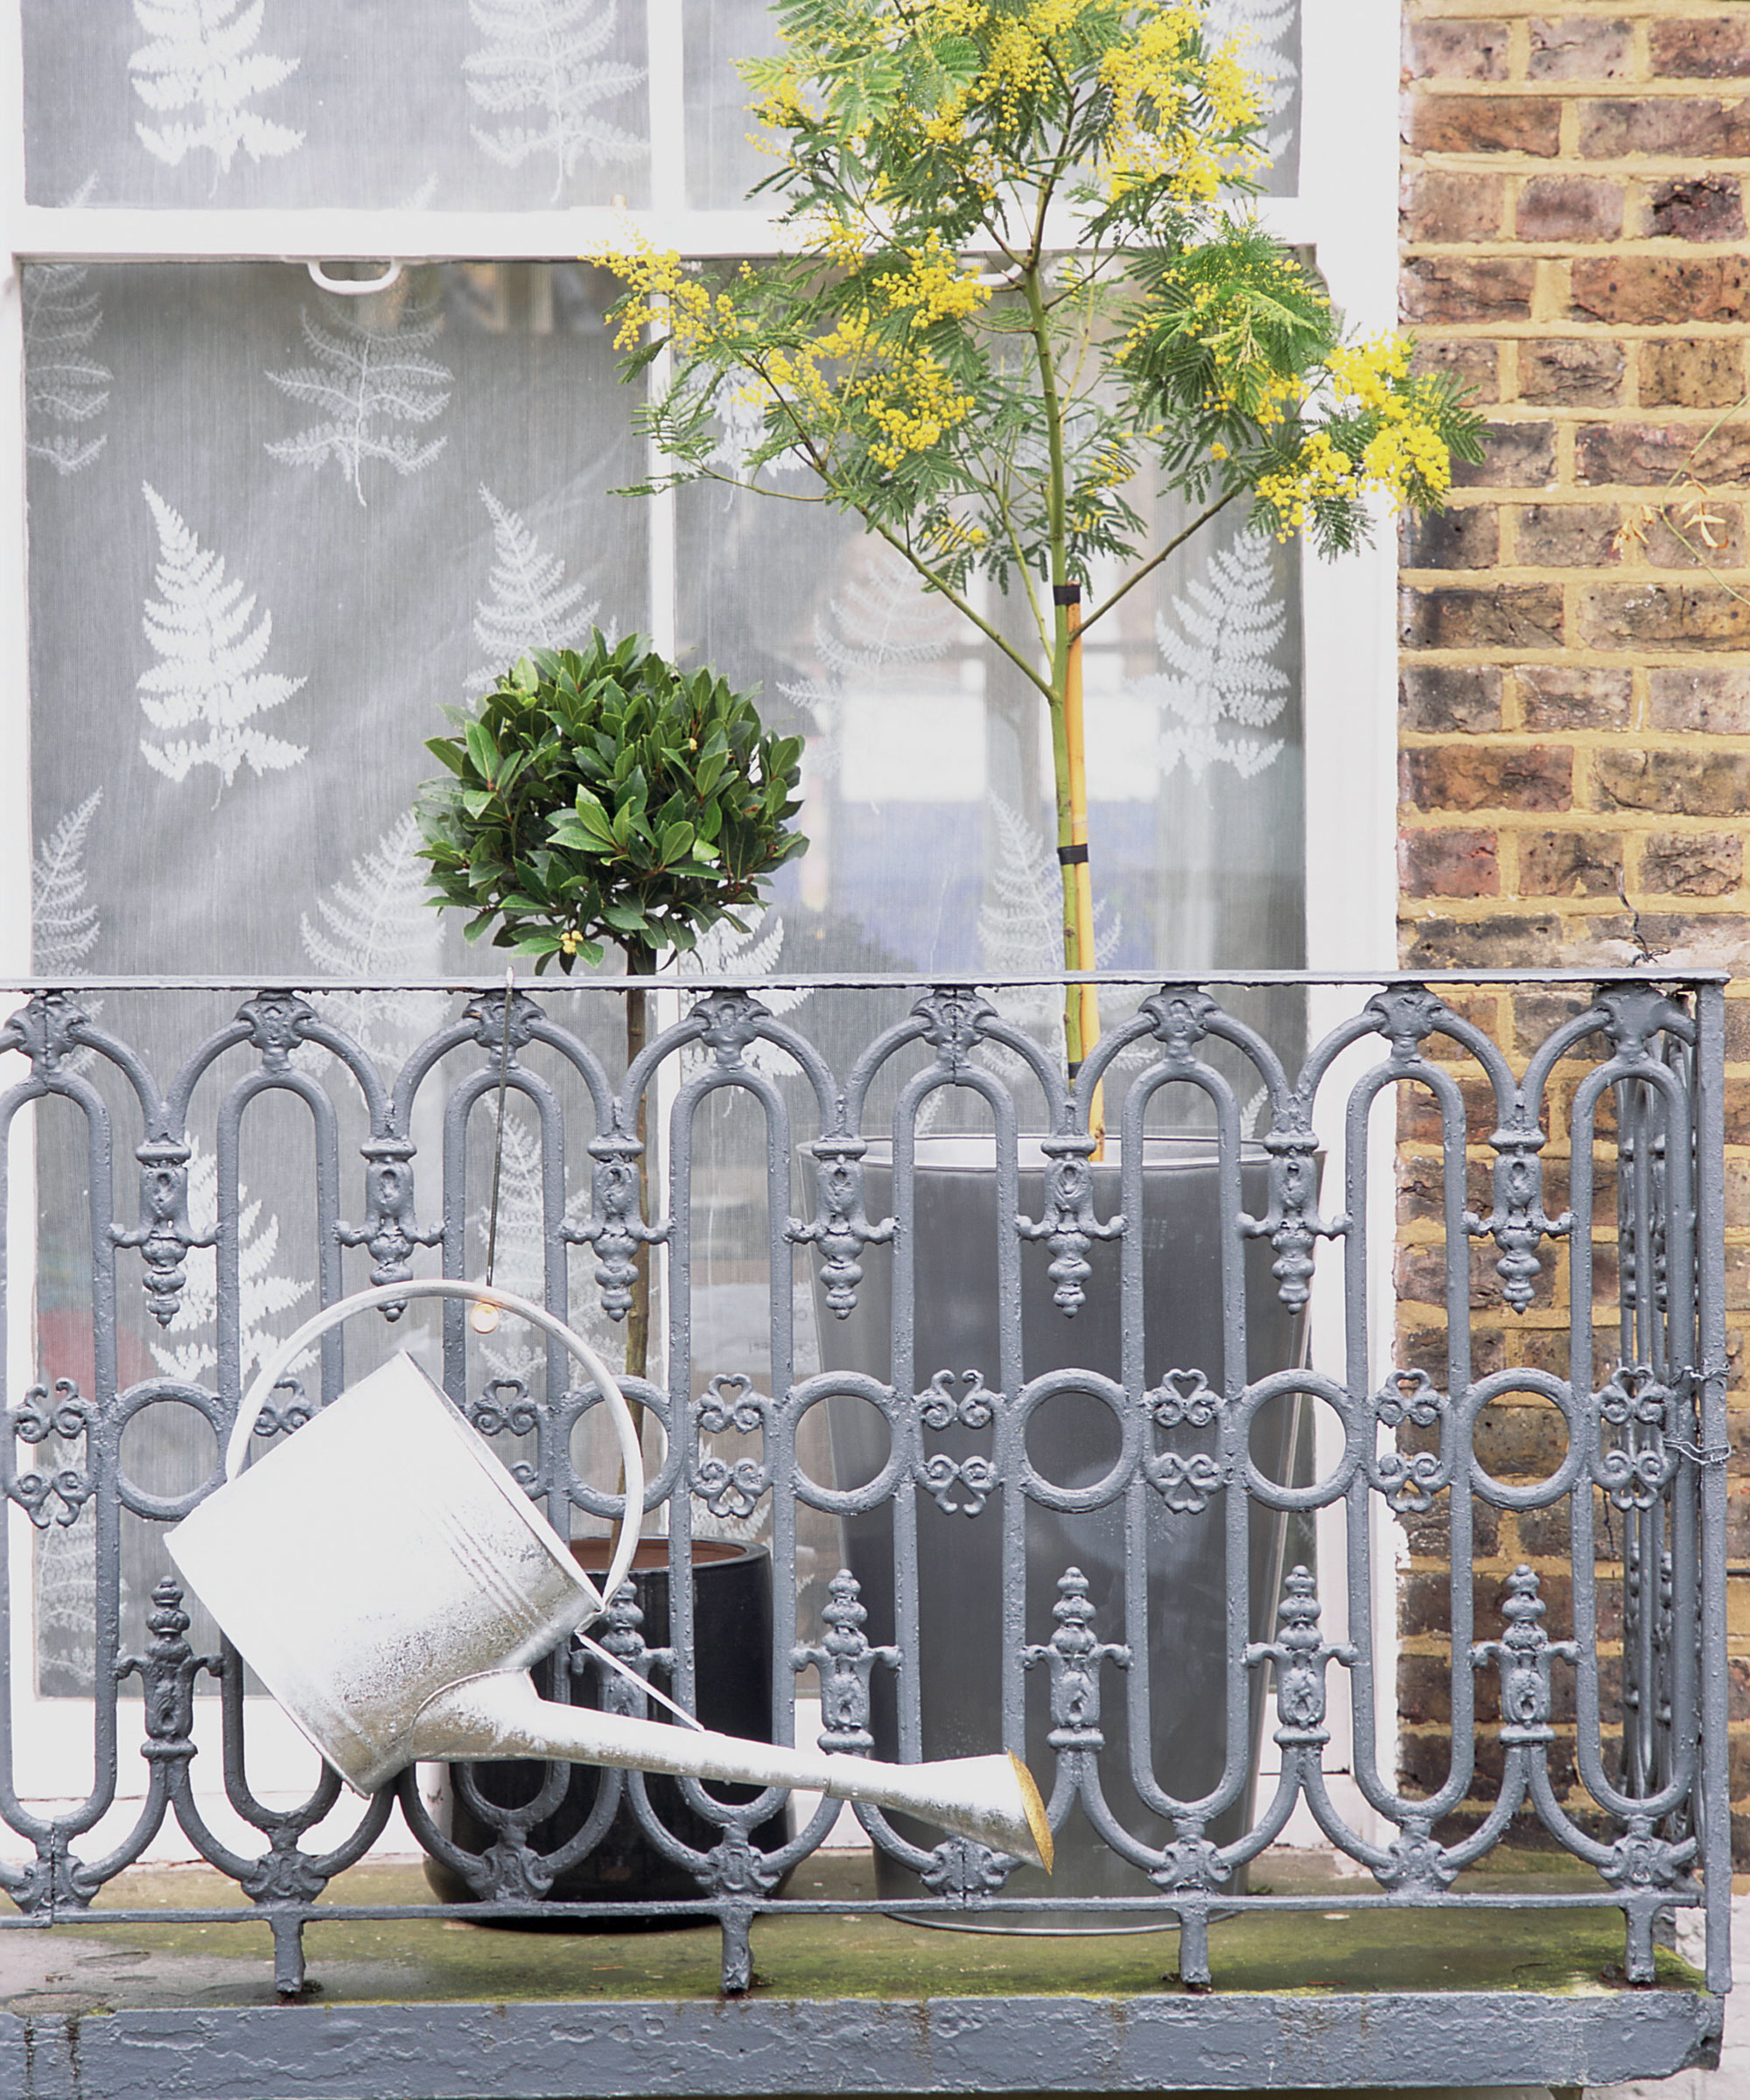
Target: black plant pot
1072, 1441
732, 1674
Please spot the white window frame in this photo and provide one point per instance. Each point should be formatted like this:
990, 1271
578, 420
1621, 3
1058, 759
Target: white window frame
1344, 213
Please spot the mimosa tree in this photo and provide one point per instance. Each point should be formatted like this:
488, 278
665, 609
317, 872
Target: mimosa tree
1027, 291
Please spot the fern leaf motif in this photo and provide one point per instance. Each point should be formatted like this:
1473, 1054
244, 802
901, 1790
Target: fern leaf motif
64, 927
1220, 645
202, 58
206, 677
519, 1253
64, 384
360, 381
1020, 931
67, 1597
262, 1292
378, 924
530, 604
1271, 29
543, 57
740, 411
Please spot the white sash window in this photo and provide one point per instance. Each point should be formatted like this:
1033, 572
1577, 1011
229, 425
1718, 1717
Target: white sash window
232, 470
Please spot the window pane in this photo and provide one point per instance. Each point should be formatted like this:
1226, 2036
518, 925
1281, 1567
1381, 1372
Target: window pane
508, 105
278, 529
928, 767
500, 105
723, 161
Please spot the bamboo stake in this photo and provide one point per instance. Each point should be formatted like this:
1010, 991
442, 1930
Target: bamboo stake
1087, 1002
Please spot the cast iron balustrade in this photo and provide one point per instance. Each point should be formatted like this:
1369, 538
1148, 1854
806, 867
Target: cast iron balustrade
1627, 1081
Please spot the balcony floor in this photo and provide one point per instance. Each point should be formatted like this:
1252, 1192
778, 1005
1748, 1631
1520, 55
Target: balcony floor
846, 2003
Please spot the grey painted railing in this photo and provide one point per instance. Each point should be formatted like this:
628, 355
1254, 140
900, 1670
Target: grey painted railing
1631, 1076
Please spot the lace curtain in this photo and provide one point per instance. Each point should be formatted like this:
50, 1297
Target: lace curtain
272, 531
500, 105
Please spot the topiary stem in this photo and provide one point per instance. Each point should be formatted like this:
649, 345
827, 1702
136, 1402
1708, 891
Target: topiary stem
640, 962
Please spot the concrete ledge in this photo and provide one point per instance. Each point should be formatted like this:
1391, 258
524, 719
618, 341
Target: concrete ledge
538, 2051
166, 1988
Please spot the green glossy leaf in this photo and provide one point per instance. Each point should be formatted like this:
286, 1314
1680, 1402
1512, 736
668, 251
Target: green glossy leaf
482, 752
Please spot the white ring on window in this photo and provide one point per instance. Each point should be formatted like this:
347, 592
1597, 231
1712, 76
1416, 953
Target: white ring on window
355, 288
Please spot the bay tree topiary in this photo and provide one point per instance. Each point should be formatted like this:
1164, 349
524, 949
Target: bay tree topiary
603, 795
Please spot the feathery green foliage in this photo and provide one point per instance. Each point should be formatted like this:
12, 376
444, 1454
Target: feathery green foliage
1026, 298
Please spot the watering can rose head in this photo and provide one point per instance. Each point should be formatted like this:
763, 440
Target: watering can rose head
602, 795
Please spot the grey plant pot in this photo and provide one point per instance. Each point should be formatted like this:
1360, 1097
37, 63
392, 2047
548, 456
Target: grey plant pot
1071, 1440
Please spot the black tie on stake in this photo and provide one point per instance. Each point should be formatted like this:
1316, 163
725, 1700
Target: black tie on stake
484, 1318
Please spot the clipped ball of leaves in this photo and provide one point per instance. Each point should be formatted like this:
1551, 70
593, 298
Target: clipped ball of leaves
605, 795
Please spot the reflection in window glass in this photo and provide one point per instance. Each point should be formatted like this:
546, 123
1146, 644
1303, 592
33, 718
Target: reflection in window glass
928, 776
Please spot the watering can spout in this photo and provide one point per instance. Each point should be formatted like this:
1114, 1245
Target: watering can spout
499, 1715
391, 1585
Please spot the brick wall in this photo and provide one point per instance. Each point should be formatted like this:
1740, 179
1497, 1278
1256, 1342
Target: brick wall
1575, 694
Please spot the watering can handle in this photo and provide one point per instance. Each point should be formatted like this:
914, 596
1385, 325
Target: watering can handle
632, 1455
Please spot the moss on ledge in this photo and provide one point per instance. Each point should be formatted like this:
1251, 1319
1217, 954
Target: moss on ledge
1335, 1949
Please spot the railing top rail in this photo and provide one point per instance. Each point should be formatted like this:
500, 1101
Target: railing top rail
869, 981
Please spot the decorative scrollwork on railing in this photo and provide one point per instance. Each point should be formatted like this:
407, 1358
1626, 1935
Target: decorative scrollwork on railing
1517, 1223
1070, 1227
1406, 1016
278, 1416
940, 1407
48, 1030
1184, 1423
393, 1235
1074, 1654
1525, 1653
730, 1489
953, 1020
1186, 1480
1301, 1655
840, 1228
1293, 1225
34, 1420
1635, 1469
165, 1235
845, 1661
1411, 1479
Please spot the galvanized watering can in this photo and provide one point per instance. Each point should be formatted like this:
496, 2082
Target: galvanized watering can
390, 1584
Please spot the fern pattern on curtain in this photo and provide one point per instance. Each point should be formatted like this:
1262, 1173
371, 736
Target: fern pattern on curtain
273, 530
500, 105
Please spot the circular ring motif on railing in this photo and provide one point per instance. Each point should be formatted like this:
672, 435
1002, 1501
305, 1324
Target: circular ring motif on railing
658, 1484
1048, 1493
1500, 1493
161, 1392
852, 1385
1272, 1494
1523, 1379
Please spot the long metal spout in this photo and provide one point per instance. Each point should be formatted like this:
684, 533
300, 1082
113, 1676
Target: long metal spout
499, 1714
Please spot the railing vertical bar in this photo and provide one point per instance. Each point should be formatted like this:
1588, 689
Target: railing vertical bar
1716, 1815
